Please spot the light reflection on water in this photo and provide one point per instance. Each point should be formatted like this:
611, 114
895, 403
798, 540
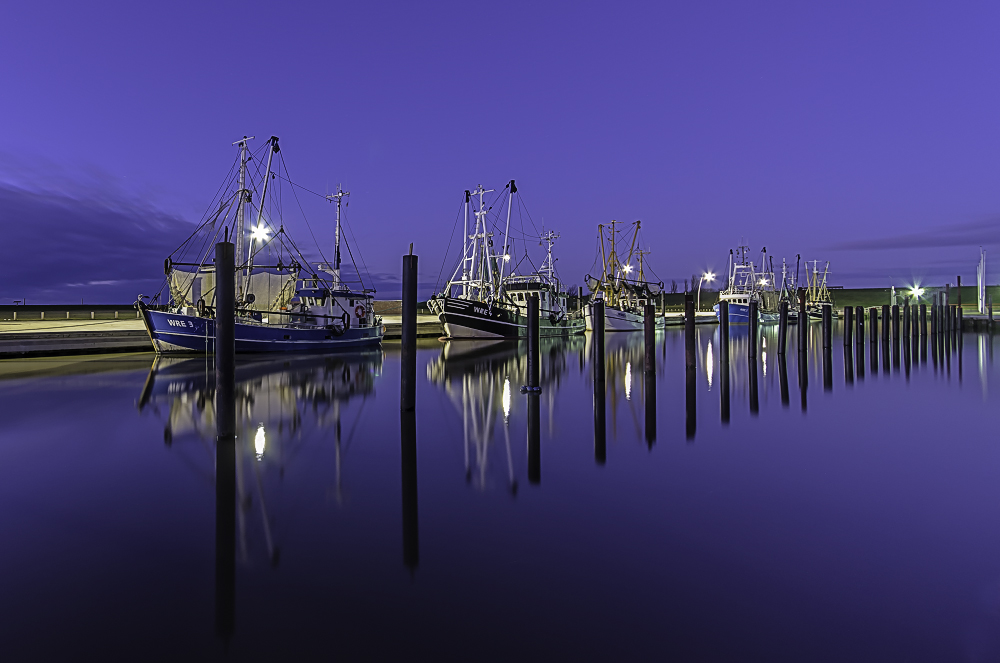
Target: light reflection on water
794, 531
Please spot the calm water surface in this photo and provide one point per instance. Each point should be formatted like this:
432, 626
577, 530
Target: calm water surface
837, 515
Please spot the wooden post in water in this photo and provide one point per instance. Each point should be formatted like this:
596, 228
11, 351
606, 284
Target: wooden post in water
827, 326
895, 335
848, 326
600, 428
873, 338
923, 320
989, 304
408, 358
689, 367
225, 340
724, 359
533, 343
649, 336
690, 358
752, 336
782, 327
225, 428
906, 322
859, 359
803, 322
886, 348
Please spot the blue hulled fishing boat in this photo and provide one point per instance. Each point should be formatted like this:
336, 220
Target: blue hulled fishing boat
742, 288
283, 303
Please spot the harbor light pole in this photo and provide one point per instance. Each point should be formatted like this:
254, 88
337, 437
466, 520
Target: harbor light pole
707, 276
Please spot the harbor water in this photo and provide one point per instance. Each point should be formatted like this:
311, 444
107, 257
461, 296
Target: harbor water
840, 508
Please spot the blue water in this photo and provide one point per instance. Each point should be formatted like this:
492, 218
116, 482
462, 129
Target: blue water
858, 522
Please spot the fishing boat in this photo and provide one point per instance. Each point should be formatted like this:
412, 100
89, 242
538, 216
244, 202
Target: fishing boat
486, 297
624, 296
289, 305
817, 294
742, 287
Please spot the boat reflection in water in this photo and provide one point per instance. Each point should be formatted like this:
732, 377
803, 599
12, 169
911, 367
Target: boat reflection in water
625, 388
274, 397
482, 380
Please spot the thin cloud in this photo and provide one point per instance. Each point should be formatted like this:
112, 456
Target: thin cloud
985, 232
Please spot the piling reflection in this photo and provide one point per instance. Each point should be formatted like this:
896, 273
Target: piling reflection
650, 406
752, 379
848, 365
481, 380
408, 456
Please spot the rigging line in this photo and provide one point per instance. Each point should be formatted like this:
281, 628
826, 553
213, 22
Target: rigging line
304, 218
454, 228
302, 187
348, 244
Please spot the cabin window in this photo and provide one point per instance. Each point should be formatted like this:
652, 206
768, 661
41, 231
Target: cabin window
520, 296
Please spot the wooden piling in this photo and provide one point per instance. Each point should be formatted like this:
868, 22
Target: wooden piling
649, 336
408, 354
600, 427
848, 326
752, 336
782, 327
827, 326
533, 343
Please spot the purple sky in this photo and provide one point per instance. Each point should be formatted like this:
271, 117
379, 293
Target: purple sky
867, 134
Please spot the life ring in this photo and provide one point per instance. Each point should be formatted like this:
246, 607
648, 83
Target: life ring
359, 311
201, 307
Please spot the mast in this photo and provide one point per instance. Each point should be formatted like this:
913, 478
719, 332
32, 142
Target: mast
240, 214
505, 258
550, 237
259, 233
339, 197
465, 249
480, 245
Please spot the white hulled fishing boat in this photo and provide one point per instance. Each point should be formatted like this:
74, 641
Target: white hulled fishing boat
624, 297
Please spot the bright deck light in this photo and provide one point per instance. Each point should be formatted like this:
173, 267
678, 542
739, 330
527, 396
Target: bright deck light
260, 233
627, 269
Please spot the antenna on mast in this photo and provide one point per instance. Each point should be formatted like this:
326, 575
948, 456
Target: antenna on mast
335, 268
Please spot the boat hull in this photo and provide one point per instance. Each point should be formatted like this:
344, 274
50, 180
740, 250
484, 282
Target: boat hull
739, 314
175, 333
464, 318
616, 319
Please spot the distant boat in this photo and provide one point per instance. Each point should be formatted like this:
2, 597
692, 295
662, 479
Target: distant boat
624, 296
485, 297
741, 288
283, 307
817, 294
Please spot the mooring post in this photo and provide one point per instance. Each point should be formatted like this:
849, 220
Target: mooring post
724, 360
923, 320
225, 426
895, 335
689, 349
225, 340
934, 316
803, 322
752, 326
848, 326
958, 321
689, 366
649, 333
724, 334
600, 427
827, 326
859, 332
533, 344
906, 322
873, 338
782, 327
989, 305
408, 355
